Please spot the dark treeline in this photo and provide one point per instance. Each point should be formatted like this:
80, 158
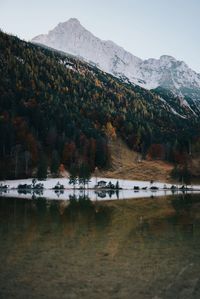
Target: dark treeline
56, 110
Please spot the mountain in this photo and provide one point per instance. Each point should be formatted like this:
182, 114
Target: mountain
72, 37
165, 72
56, 109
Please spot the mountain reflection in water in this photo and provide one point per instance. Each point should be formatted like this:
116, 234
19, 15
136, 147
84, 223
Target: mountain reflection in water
139, 248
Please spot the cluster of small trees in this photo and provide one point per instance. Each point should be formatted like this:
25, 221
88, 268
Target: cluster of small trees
80, 174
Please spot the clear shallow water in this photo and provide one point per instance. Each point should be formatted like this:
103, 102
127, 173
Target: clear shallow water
136, 248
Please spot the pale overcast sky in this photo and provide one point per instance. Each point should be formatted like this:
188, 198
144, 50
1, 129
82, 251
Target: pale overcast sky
146, 28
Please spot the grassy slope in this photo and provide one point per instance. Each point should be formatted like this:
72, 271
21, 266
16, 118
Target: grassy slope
125, 165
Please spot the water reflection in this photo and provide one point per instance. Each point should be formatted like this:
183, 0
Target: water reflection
93, 194
146, 248
105, 193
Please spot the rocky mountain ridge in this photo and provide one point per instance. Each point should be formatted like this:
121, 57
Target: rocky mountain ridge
166, 72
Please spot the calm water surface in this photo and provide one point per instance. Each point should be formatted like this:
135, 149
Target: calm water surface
139, 248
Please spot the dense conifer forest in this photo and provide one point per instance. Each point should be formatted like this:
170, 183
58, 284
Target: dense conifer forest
58, 111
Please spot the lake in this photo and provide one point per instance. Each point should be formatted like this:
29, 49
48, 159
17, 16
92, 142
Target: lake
78, 248
128, 189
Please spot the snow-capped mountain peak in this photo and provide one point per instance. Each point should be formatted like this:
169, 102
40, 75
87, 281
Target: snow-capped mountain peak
71, 37
72, 21
167, 72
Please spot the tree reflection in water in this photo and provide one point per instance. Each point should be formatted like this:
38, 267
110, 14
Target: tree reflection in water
140, 248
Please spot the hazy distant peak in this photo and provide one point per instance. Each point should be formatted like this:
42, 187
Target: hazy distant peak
73, 22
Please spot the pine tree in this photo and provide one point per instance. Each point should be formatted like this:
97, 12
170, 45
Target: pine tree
55, 162
84, 174
73, 178
42, 167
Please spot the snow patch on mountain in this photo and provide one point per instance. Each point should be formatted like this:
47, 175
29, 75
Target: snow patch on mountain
171, 108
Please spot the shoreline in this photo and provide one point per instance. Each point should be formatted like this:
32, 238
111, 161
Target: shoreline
124, 184
143, 189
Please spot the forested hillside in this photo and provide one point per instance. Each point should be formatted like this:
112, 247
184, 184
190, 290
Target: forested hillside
56, 109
